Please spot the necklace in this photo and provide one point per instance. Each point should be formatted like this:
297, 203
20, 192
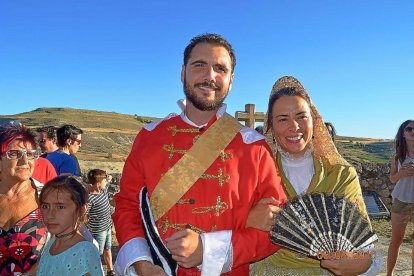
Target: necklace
59, 236
289, 156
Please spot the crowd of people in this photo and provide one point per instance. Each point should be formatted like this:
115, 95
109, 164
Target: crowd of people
199, 192
49, 215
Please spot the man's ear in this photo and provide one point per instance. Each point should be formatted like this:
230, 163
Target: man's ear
182, 73
231, 81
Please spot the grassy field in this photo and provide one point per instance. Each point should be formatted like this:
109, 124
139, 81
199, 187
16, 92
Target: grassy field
363, 149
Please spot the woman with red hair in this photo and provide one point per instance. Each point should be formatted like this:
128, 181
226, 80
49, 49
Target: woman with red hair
22, 232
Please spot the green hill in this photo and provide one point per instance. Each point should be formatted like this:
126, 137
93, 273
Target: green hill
107, 135
365, 149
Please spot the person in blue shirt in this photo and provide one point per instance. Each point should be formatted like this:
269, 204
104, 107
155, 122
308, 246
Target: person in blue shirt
69, 140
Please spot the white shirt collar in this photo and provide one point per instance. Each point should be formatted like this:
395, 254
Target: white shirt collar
299, 172
182, 104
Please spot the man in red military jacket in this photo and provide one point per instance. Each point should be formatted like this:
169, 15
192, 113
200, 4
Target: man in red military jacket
202, 172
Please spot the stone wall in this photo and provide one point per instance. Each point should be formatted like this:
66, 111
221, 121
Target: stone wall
375, 177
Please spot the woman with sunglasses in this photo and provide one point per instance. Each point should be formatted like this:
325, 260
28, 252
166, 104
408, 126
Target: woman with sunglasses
69, 140
402, 173
22, 232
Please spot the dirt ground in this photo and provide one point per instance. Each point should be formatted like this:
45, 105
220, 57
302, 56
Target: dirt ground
109, 167
403, 267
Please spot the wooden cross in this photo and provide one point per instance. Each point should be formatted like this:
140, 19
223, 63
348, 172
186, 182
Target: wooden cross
250, 116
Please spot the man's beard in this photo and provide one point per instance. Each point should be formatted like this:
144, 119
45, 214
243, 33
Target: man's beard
199, 102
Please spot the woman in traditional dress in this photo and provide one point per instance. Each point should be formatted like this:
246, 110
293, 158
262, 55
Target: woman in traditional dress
22, 232
308, 162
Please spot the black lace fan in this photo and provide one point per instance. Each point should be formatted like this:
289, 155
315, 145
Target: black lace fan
316, 223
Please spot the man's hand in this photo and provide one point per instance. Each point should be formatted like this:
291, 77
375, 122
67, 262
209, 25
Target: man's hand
144, 268
186, 248
261, 216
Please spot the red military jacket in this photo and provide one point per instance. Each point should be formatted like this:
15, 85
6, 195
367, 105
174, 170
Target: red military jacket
221, 198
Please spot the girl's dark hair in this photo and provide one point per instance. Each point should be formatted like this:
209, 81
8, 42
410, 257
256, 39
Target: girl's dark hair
400, 143
74, 186
287, 91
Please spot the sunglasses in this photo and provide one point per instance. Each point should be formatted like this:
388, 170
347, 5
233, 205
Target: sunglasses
409, 129
18, 154
79, 141
42, 141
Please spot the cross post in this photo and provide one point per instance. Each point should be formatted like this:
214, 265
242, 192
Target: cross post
250, 116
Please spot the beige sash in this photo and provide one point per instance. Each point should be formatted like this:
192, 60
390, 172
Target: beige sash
179, 179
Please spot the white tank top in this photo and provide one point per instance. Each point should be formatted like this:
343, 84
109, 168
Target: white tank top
404, 189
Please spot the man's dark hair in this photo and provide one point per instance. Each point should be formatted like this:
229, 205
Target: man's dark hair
210, 39
67, 132
331, 129
96, 175
49, 130
259, 129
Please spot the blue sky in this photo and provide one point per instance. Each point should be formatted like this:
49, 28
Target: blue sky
355, 57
